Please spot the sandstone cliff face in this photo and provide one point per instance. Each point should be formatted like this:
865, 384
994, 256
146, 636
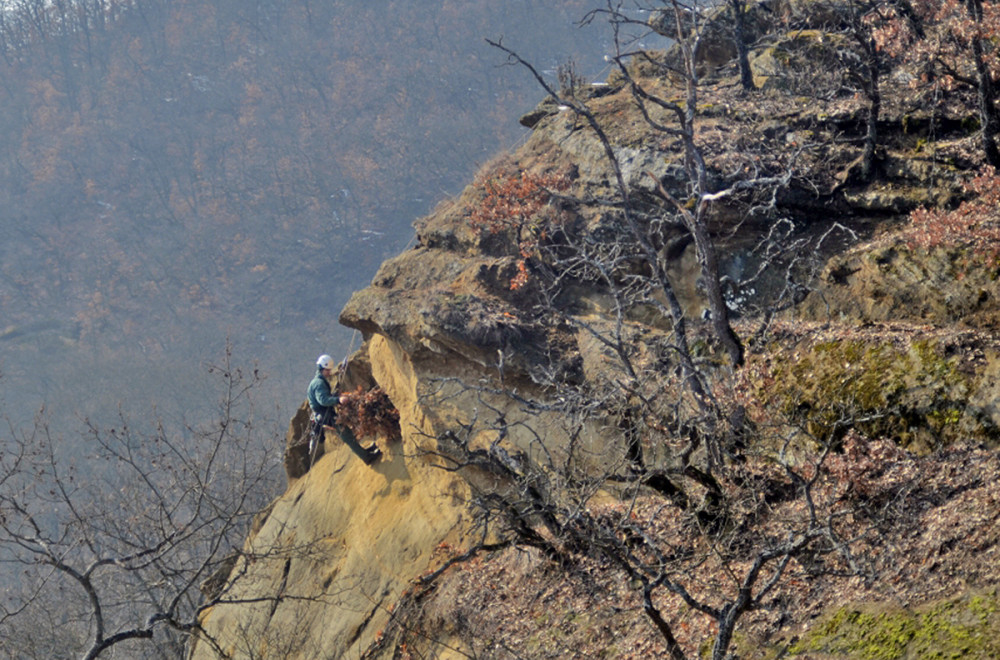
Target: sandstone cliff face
321, 574
444, 331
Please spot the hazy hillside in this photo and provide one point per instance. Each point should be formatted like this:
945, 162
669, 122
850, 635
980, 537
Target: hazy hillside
704, 366
176, 173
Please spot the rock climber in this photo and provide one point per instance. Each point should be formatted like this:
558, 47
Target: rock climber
323, 399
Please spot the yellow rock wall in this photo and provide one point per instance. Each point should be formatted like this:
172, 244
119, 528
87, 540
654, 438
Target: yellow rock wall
321, 576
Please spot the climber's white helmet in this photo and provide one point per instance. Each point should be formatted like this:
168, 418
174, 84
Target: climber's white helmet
325, 362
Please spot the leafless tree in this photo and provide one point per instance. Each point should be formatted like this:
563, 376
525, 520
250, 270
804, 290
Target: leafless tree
985, 82
720, 540
713, 509
864, 63
738, 10
112, 534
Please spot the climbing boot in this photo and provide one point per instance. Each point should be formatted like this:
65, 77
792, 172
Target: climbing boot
374, 453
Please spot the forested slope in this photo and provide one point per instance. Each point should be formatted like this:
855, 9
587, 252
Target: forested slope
178, 172
703, 368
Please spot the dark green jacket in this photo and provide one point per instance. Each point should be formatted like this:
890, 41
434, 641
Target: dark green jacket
321, 397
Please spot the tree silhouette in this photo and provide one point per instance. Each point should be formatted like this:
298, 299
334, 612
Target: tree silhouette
113, 544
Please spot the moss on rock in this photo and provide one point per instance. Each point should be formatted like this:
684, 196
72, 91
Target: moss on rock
916, 390
961, 627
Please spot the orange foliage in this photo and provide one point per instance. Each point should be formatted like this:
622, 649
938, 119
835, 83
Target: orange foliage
950, 27
519, 204
369, 414
975, 224
512, 200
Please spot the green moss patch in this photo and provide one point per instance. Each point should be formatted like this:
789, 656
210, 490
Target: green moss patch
913, 390
962, 627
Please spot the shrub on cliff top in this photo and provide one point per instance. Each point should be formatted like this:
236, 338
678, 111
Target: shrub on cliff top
517, 204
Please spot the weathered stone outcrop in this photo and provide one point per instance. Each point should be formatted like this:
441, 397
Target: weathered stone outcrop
339, 547
443, 327
892, 280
